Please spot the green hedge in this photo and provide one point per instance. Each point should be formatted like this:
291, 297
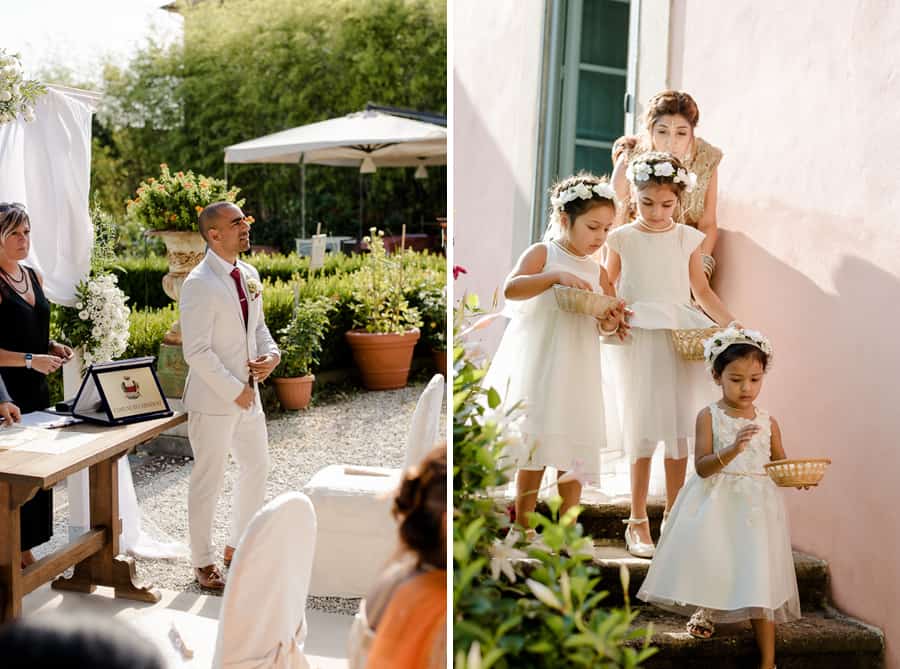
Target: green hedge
423, 272
141, 277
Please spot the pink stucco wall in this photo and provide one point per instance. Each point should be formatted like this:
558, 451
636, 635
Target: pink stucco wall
496, 85
804, 98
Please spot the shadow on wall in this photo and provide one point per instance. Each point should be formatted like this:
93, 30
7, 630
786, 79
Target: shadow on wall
486, 202
832, 389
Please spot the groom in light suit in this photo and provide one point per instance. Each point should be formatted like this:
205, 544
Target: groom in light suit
228, 350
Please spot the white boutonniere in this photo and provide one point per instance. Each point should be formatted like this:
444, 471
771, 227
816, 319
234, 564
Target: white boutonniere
254, 287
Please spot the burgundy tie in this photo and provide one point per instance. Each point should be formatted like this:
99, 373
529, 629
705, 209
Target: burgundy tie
236, 275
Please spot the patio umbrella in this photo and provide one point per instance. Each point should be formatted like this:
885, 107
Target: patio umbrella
365, 140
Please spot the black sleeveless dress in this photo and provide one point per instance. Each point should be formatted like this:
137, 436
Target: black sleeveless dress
26, 329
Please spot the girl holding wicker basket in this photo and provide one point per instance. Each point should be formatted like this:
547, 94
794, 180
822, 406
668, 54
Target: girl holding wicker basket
656, 265
727, 548
549, 360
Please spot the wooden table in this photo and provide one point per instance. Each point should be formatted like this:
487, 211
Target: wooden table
95, 554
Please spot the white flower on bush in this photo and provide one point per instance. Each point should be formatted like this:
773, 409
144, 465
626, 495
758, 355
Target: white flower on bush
106, 314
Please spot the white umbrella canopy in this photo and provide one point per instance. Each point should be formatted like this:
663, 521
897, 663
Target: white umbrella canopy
390, 141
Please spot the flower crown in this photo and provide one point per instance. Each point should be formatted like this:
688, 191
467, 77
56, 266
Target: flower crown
641, 170
720, 341
584, 192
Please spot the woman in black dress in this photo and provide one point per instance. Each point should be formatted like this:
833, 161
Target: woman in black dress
27, 354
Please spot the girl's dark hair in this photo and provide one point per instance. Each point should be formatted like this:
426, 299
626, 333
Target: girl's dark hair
577, 207
420, 506
736, 352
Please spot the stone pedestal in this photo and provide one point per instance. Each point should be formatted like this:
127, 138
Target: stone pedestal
171, 369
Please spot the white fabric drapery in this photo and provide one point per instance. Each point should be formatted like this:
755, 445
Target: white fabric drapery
46, 165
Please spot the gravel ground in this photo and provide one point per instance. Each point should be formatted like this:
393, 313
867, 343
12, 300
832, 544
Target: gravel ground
362, 428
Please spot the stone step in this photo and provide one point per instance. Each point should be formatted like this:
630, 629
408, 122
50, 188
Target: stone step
820, 640
608, 557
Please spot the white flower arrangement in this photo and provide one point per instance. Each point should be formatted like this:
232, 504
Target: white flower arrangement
714, 346
17, 94
582, 191
254, 287
100, 322
639, 171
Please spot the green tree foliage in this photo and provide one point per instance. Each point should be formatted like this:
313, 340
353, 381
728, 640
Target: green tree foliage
255, 67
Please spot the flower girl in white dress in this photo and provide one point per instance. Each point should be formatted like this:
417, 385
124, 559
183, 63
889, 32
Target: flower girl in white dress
726, 548
549, 360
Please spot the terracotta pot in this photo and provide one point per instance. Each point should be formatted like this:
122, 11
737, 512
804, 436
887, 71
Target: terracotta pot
184, 251
294, 393
383, 359
440, 361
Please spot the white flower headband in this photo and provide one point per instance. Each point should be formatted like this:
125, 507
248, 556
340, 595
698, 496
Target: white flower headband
584, 192
714, 346
639, 170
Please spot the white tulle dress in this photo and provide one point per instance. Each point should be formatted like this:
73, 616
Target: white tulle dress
659, 392
550, 360
727, 546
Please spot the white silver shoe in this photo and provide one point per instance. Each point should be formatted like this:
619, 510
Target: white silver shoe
635, 546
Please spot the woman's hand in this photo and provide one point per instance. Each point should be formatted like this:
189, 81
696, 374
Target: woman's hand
744, 435
572, 281
61, 351
46, 364
9, 413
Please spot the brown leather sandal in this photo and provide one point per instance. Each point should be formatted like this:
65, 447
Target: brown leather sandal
228, 556
209, 577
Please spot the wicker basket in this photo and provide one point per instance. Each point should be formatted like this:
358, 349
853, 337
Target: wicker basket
797, 473
585, 302
689, 343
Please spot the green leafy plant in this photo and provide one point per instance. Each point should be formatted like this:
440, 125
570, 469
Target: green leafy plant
431, 302
174, 201
301, 341
550, 616
379, 301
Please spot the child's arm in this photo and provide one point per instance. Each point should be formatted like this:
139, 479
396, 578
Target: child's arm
528, 278
710, 302
777, 448
616, 319
613, 266
708, 463
622, 188
605, 284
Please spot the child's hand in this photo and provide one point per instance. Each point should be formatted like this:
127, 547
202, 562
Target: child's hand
572, 281
743, 437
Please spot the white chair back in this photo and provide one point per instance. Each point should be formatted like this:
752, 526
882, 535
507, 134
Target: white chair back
424, 430
263, 622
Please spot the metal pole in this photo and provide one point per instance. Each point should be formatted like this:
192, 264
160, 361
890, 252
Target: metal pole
302, 198
226, 176
359, 240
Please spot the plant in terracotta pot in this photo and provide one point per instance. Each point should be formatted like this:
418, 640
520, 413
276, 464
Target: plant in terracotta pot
386, 327
169, 206
432, 303
301, 343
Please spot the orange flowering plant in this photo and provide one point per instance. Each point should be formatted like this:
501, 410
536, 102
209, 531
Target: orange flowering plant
174, 201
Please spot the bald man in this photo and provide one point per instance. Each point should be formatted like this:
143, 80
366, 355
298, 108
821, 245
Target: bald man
229, 351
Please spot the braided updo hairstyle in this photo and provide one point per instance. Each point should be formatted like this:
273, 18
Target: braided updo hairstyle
420, 507
665, 103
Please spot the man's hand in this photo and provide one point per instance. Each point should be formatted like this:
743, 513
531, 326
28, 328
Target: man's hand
245, 399
9, 413
62, 351
261, 367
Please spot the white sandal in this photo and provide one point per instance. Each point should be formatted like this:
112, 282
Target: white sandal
635, 546
703, 626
